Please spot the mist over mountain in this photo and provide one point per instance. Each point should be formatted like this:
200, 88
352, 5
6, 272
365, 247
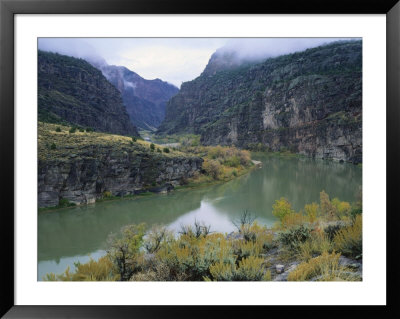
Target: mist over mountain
308, 102
145, 100
247, 51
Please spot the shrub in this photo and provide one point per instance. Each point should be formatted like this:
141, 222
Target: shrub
212, 168
158, 150
326, 206
53, 146
101, 270
244, 249
331, 230
244, 157
58, 129
311, 211
166, 150
152, 146
81, 130
248, 269
293, 237
134, 139
293, 219
341, 208
190, 257
222, 271
64, 202
72, 130
233, 161
156, 238
199, 230
349, 239
107, 194
124, 251
89, 129
281, 208
317, 244
323, 268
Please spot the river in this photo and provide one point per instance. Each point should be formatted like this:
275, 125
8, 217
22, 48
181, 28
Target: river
72, 234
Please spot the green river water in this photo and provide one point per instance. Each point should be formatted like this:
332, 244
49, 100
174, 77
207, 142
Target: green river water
73, 234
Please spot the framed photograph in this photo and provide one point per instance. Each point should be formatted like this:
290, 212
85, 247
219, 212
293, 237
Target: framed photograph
174, 154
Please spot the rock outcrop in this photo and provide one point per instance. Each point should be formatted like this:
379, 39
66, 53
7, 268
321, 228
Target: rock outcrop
308, 102
72, 91
84, 167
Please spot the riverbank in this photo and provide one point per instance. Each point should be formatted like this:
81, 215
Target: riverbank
78, 166
322, 242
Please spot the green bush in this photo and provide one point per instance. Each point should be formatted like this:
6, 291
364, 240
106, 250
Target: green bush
152, 146
64, 202
89, 129
134, 139
58, 129
72, 130
53, 146
158, 150
166, 150
293, 237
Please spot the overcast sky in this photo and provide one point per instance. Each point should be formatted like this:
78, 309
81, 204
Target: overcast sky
174, 60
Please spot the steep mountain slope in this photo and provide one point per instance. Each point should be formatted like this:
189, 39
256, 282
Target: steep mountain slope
72, 91
145, 100
308, 102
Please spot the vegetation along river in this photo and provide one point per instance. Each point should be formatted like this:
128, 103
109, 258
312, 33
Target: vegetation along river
73, 234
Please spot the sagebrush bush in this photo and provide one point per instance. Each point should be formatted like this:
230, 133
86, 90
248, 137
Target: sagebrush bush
293, 219
322, 268
348, 240
317, 244
100, 270
248, 269
191, 257
293, 237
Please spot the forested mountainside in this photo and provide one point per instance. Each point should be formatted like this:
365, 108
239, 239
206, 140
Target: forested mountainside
145, 100
71, 91
307, 102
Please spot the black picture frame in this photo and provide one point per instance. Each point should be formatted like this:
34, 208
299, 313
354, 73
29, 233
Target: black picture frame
8, 8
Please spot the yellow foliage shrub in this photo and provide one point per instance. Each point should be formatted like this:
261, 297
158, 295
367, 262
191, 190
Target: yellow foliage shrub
100, 270
319, 243
324, 268
293, 219
342, 209
281, 208
311, 211
349, 239
213, 168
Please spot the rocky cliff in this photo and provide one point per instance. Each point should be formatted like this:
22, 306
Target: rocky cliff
83, 167
145, 100
308, 102
72, 91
